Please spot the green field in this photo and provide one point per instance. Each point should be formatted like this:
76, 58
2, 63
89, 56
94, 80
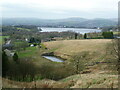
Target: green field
116, 33
34, 54
30, 51
23, 29
2, 39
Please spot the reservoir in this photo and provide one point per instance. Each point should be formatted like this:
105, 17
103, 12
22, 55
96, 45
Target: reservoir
78, 30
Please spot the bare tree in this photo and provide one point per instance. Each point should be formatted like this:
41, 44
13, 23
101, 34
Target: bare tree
116, 48
79, 61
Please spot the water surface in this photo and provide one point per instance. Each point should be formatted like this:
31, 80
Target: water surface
78, 30
54, 59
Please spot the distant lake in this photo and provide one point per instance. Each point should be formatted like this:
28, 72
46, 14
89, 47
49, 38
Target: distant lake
78, 30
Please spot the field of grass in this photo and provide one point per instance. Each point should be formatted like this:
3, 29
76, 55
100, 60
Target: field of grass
30, 51
68, 48
116, 33
97, 49
23, 29
2, 39
34, 54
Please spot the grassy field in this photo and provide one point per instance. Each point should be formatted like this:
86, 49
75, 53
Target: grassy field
34, 54
99, 76
30, 51
2, 39
97, 49
116, 33
67, 48
23, 29
72, 46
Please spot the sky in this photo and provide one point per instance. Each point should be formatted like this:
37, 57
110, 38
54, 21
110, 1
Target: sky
59, 9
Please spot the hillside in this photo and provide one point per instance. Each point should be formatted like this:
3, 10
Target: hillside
68, 48
70, 22
97, 75
75, 81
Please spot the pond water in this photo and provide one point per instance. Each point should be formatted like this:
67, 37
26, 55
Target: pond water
54, 59
78, 30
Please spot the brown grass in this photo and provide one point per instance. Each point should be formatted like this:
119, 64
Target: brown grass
76, 81
69, 47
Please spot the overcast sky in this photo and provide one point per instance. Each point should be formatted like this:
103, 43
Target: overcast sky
57, 9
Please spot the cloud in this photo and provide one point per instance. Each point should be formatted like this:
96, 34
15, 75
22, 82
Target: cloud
59, 8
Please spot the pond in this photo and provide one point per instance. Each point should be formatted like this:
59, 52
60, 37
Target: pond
54, 59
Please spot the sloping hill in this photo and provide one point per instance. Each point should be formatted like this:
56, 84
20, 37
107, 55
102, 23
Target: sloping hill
75, 81
75, 22
68, 48
99, 23
94, 76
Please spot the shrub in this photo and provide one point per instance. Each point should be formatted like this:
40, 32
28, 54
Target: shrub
76, 35
5, 62
55, 72
85, 36
15, 57
43, 46
108, 35
112, 56
23, 71
79, 61
27, 71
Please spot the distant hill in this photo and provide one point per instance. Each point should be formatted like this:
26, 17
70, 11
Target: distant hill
76, 22
99, 23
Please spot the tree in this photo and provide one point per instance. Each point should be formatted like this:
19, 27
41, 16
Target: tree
4, 64
76, 35
27, 70
32, 40
116, 47
5, 40
108, 35
85, 36
79, 61
15, 57
22, 44
113, 55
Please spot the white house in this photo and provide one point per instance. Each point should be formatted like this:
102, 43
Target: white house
32, 45
9, 53
26, 39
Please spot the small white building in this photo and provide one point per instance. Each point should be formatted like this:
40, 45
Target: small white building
26, 39
32, 45
9, 53
111, 30
98, 28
